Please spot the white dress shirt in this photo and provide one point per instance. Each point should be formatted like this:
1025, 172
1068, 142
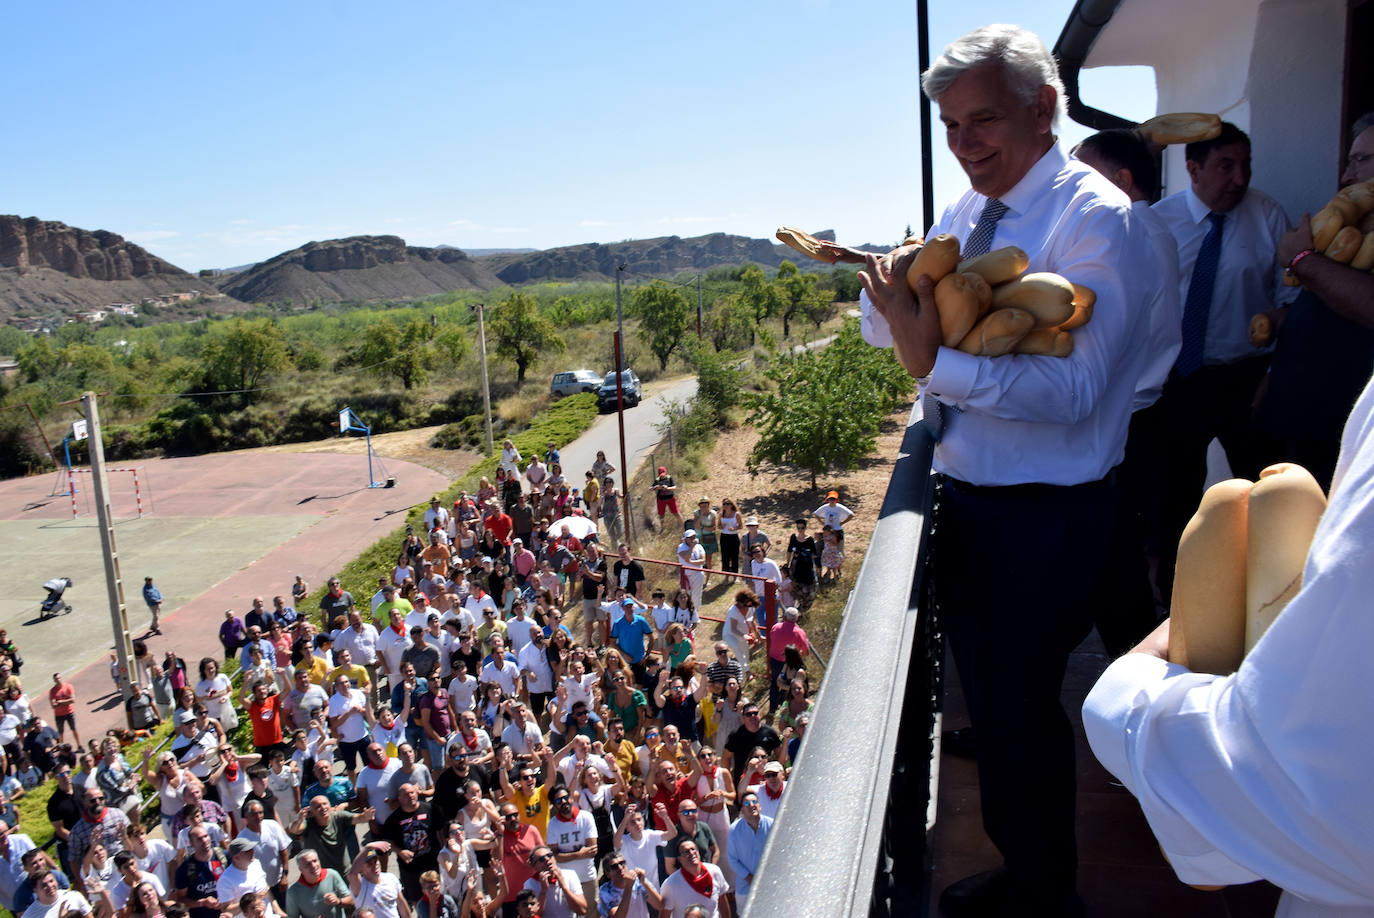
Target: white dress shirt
1165, 309
1248, 274
1054, 420
1266, 772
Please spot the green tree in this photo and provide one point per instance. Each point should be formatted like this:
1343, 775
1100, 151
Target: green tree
729, 323
389, 350
664, 315
522, 334
826, 405
242, 354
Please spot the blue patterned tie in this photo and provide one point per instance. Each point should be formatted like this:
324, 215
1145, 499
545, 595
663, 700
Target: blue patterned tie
1199, 302
979, 242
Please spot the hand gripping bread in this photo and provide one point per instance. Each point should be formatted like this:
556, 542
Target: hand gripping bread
1345, 245
1285, 506
961, 299
997, 266
1083, 300
1050, 342
1207, 615
997, 333
937, 257
1047, 296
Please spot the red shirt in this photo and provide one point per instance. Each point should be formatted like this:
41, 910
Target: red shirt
681, 791
266, 716
62, 697
516, 860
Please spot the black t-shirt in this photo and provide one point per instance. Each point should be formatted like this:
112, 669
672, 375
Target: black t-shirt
417, 832
803, 553
591, 586
743, 740
632, 577
198, 878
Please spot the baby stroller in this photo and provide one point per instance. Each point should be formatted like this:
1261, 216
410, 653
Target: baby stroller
55, 604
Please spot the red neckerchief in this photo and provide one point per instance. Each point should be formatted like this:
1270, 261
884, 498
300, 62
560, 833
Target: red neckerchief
701, 882
769, 791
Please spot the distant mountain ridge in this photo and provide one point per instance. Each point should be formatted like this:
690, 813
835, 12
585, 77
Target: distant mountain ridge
48, 266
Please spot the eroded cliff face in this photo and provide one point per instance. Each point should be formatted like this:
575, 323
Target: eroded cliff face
29, 242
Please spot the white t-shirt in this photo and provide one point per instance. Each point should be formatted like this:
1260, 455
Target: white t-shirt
382, 897
234, 882
120, 889
642, 854
556, 903
377, 783
271, 842
353, 727
678, 895
463, 692
75, 902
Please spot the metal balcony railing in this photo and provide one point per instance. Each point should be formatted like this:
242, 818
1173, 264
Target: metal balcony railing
859, 805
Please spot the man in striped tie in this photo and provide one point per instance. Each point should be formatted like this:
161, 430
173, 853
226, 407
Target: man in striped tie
1227, 235
1025, 462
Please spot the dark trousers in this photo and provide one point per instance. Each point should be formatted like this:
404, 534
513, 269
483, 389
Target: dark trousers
1016, 573
1126, 611
1215, 402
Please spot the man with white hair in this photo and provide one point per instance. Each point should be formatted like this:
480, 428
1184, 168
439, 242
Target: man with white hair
1029, 444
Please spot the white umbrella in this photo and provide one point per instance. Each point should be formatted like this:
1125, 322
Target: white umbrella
579, 526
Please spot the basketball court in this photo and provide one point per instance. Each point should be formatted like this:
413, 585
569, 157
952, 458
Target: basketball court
216, 531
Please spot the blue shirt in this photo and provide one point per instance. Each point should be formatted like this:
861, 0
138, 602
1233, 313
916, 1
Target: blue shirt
629, 633
746, 850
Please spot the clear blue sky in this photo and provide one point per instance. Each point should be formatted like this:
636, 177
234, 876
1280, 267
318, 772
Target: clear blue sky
222, 134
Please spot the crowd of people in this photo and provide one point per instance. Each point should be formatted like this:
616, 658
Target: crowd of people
449, 746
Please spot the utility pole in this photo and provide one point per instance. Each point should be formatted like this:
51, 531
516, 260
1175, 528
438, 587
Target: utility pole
698, 307
114, 586
486, 382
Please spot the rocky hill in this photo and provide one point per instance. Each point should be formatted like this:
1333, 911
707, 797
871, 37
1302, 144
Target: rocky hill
661, 256
358, 268
48, 267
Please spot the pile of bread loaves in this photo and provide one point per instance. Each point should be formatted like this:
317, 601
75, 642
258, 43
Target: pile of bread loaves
989, 306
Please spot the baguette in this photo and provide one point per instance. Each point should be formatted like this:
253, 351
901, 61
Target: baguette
1284, 508
937, 257
1207, 617
997, 333
1046, 296
1364, 258
999, 266
1326, 223
1180, 127
1049, 342
961, 299
1083, 300
1345, 245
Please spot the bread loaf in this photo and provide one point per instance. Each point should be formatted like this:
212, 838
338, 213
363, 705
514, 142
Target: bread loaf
1207, 616
1046, 296
1364, 258
961, 299
1050, 342
997, 332
1284, 508
1083, 300
998, 266
937, 257
1346, 243
1326, 223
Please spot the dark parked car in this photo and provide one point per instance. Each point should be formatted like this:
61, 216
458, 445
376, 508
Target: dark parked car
605, 396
